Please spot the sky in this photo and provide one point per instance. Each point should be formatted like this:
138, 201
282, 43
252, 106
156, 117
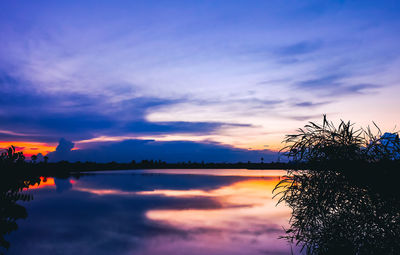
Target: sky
236, 76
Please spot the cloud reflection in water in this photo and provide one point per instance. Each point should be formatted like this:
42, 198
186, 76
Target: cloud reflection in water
131, 213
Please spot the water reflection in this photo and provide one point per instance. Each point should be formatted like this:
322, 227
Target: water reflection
335, 213
11, 188
247, 221
152, 213
186, 212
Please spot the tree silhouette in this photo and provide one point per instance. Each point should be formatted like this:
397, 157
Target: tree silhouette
10, 157
34, 158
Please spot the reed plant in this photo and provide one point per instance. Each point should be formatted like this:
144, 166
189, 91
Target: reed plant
345, 199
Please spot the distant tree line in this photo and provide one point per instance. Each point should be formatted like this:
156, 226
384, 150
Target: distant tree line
12, 162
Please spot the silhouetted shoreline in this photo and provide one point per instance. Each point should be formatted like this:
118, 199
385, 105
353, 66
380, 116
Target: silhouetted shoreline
65, 168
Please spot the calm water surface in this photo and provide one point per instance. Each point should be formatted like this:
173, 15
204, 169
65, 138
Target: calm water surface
155, 212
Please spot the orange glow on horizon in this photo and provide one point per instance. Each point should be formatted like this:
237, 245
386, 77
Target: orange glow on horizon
28, 148
34, 148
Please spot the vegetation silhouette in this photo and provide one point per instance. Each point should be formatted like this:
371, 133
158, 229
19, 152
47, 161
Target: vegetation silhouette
12, 183
64, 168
347, 200
11, 159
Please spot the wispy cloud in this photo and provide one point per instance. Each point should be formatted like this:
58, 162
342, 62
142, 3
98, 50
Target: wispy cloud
228, 70
335, 85
299, 48
310, 104
80, 116
322, 82
170, 151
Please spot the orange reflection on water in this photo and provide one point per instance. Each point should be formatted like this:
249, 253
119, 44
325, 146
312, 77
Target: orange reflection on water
241, 199
248, 213
44, 182
239, 192
220, 172
103, 192
176, 193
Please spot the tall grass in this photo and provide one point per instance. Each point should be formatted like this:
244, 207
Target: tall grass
347, 202
327, 142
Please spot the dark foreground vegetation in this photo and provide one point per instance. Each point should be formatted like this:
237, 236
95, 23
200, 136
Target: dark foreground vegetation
10, 211
12, 182
348, 199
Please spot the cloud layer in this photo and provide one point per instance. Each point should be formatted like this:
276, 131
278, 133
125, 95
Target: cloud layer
240, 74
170, 151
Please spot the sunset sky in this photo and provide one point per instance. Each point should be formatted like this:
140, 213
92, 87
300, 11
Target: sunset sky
236, 75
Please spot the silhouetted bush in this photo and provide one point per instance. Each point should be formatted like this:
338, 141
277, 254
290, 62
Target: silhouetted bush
347, 201
332, 215
326, 143
11, 187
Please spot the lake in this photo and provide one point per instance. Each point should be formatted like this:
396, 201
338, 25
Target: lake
188, 211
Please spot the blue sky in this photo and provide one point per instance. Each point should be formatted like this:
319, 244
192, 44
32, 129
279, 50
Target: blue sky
239, 73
